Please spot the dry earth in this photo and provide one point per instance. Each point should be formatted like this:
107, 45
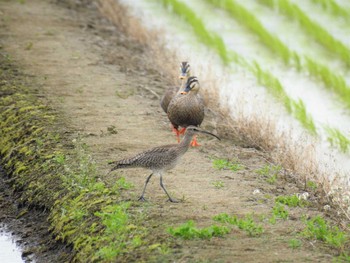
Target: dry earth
107, 88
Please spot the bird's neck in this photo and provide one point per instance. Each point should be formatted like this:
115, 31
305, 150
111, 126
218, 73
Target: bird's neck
182, 87
185, 143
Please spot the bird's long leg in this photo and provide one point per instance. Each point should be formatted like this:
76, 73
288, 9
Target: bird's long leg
161, 185
141, 198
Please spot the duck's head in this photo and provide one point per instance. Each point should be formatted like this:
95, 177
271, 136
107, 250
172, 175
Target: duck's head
184, 70
191, 85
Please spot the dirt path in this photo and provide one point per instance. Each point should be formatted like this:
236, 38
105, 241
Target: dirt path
104, 84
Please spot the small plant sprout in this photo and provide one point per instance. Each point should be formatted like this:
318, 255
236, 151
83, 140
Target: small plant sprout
223, 164
218, 184
294, 243
269, 172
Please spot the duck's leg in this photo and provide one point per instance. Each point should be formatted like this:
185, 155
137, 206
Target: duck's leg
182, 131
141, 198
194, 142
177, 133
161, 185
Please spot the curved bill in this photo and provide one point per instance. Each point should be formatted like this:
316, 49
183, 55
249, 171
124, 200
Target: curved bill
209, 133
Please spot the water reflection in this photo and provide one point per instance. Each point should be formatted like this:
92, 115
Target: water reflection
9, 251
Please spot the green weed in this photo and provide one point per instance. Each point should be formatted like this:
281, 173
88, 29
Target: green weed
318, 228
269, 172
312, 185
218, 184
222, 164
294, 243
247, 224
291, 201
190, 231
278, 212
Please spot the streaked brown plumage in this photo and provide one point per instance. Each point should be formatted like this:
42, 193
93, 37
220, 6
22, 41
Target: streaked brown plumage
171, 92
160, 159
187, 108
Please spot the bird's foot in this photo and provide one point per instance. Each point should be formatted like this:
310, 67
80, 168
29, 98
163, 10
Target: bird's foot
194, 142
173, 200
142, 199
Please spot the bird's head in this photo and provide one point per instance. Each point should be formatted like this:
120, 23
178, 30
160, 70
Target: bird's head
192, 130
184, 70
191, 85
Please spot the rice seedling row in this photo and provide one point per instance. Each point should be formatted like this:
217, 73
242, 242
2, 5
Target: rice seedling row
332, 81
312, 28
295, 107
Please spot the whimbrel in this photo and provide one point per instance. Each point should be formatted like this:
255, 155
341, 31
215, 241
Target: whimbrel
161, 159
187, 108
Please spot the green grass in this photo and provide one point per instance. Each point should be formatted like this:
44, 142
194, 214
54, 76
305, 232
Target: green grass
54, 172
312, 28
318, 228
247, 224
291, 201
223, 164
189, 231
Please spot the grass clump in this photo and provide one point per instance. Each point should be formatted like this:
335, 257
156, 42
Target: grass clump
190, 231
294, 243
318, 228
291, 201
223, 164
247, 224
278, 212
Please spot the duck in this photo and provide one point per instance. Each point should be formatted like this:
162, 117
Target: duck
187, 108
171, 92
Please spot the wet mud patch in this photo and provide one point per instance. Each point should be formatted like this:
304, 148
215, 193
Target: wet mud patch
29, 227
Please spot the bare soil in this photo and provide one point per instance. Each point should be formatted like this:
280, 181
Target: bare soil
107, 87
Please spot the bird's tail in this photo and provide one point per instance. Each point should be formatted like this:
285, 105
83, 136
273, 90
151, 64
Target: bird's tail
125, 163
